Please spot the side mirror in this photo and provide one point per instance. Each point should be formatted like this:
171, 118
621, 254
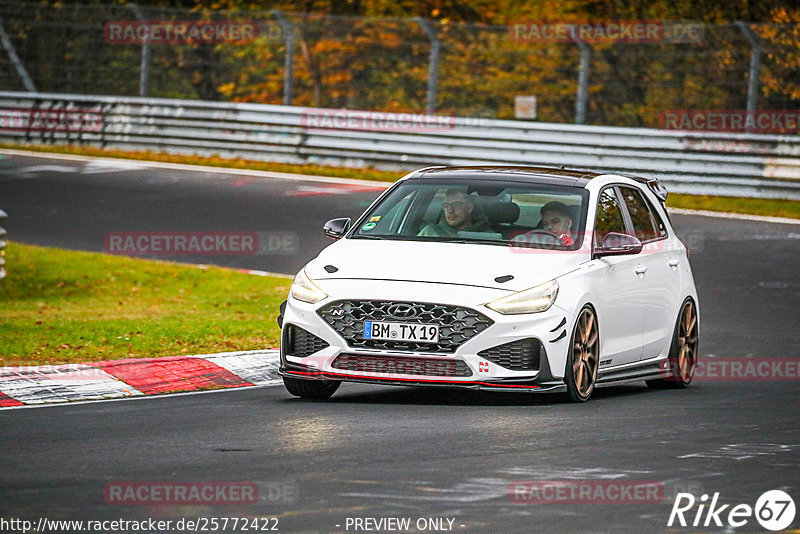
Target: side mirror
616, 244
336, 228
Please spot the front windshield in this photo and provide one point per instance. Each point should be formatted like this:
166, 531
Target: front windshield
497, 213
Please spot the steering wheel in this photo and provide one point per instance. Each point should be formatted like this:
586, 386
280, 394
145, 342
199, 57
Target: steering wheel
536, 239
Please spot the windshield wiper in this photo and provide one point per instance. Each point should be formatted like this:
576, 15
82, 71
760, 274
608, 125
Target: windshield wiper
477, 241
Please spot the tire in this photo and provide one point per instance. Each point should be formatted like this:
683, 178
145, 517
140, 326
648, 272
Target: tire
311, 389
682, 360
583, 358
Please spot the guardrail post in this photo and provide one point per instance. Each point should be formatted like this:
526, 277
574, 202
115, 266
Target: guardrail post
583, 82
433, 64
288, 63
12, 55
3, 237
144, 70
755, 65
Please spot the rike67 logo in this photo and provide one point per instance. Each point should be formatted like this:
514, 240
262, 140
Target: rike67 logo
774, 510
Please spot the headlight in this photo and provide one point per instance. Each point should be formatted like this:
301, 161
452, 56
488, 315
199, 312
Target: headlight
533, 300
305, 290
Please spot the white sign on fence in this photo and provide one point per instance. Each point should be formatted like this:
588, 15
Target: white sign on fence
525, 107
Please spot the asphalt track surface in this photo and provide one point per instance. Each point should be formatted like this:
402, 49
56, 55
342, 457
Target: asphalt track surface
374, 452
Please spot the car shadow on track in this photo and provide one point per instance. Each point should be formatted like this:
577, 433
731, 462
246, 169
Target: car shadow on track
461, 397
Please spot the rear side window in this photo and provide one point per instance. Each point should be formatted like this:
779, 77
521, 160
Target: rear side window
661, 228
609, 216
646, 226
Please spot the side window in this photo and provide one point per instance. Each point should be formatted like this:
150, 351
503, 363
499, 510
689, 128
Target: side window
643, 224
388, 222
661, 228
609, 216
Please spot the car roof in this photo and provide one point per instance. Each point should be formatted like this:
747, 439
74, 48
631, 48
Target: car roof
536, 175
540, 175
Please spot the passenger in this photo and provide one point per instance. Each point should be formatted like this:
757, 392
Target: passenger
457, 207
556, 218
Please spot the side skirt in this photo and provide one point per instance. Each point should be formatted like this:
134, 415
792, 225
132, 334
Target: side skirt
641, 371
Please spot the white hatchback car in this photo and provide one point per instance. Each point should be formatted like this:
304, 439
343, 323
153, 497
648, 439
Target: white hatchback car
497, 278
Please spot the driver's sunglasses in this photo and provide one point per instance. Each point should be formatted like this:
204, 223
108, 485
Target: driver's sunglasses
459, 205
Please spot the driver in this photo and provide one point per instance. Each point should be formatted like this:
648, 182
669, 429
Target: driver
556, 218
457, 207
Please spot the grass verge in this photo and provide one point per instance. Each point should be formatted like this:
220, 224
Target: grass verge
770, 207
751, 206
62, 306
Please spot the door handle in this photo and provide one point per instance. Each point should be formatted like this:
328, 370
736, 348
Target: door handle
640, 270
673, 263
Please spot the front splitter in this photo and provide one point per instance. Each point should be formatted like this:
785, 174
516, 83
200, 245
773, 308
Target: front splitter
549, 387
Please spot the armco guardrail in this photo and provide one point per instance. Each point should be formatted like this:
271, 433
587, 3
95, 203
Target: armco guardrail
753, 165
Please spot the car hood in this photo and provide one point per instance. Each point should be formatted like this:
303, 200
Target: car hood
447, 263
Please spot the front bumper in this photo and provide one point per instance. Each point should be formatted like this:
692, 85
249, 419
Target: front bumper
543, 383
549, 329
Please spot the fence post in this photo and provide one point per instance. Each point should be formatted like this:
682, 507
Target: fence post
433, 64
144, 71
583, 82
3, 237
12, 55
755, 65
288, 63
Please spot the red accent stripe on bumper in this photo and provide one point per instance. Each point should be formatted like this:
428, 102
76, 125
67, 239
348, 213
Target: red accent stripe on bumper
452, 382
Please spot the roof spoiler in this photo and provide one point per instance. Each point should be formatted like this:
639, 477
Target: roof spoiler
659, 189
654, 184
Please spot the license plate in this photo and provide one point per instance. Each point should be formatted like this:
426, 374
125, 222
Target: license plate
425, 333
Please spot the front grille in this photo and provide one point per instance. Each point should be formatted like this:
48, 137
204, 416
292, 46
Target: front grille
302, 343
401, 365
520, 355
456, 324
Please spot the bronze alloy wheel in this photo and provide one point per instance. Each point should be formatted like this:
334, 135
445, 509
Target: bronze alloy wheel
682, 360
687, 343
581, 372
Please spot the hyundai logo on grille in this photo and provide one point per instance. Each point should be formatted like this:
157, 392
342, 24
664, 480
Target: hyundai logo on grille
402, 311
350, 325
